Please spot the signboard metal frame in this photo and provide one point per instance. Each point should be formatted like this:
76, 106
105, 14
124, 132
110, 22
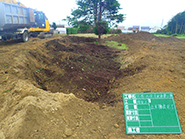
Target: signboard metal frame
151, 113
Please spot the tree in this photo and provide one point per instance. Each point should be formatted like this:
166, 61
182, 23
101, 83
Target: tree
54, 25
83, 27
176, 25
101, 14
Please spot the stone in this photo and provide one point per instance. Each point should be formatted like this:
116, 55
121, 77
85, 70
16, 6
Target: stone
116, 125
68, 132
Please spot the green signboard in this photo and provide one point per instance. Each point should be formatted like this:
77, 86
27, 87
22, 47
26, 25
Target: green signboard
150, 113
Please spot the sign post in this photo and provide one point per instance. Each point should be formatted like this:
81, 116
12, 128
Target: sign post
151, 113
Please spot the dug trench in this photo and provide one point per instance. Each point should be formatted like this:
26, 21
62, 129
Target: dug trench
77, 65
65, 64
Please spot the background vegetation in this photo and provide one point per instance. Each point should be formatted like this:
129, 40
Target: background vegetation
175, 26
98, 15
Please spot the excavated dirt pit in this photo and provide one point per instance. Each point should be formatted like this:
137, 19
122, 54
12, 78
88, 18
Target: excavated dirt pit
76, 65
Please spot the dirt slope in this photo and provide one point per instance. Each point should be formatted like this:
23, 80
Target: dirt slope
68, 87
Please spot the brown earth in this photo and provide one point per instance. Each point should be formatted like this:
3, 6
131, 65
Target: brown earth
68, 87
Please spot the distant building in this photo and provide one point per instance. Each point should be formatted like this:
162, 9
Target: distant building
121, 27
130, 28
61, 29
145, 28
135, 28
60, 26
140, 28
154, 29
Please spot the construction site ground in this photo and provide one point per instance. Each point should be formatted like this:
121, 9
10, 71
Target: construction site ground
71, 87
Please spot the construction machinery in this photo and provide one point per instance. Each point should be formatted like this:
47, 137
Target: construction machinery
19, 23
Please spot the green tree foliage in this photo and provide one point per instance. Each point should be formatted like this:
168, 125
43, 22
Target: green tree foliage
176, 25
54, 25
97, 13
115, 31
101, 28
72, 31
83, 26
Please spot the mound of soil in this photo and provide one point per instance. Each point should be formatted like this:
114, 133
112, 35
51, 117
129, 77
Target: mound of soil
141, 36
68, 87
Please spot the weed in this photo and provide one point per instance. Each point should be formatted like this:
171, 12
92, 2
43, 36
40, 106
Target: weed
96, 42
0, 54
117, 45
5, 65
161, 35
6, 90
50, 83
40, 86
39, 69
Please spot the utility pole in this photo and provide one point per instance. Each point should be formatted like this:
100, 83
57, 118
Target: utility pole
162, 23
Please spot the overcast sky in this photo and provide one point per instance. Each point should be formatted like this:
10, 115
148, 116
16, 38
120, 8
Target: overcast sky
138, 12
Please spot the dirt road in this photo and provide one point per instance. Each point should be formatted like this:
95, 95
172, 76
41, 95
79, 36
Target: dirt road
69, 87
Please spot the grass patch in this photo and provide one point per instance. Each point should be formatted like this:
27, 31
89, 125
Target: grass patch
96, 42
161, 35
182, 36
114, 44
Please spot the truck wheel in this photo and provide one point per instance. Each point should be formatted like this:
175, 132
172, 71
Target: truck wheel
25, 36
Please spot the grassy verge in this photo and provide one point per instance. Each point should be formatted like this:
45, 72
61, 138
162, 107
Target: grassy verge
161, 35
114, 44
181, 36
178, 36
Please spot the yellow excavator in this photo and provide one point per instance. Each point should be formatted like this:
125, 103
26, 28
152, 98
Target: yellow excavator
19, 23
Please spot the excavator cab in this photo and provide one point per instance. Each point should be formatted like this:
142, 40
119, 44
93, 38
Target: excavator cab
41, 25
39, 19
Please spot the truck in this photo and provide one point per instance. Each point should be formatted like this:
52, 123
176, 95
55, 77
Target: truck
19, 23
